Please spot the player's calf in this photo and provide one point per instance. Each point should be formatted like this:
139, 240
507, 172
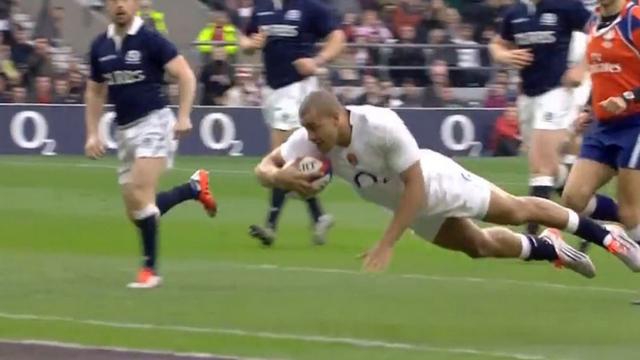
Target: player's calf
510, 210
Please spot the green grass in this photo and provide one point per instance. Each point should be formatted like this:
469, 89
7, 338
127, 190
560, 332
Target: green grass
66, 251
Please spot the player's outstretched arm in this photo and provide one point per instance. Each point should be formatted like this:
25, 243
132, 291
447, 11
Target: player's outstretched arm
413, 199
179, 68
95, 96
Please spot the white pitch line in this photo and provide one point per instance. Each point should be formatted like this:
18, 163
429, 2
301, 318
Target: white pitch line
355, 342
114, 167
548, 285
74, 346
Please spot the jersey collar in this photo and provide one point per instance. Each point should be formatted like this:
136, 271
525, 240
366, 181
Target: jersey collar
622, 14
136, 24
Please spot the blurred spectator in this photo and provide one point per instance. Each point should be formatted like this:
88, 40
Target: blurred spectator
467, 58
412, 96
61, 92
5, 15
245, 9
42, 93
372, 93
19, 95
349, 26
76, 86
372, 31
430, 20
154, 19
5, 96
347, 73
390, 93
438, 36
7, 67
482, 14
496, 96
220, 29
216, 78
39, 62
403, 56
407, 13
449, 100
21, 50
439, 75
506, 134
50, 23
244, 91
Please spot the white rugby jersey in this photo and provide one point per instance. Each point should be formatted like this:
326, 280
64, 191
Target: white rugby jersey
381, 149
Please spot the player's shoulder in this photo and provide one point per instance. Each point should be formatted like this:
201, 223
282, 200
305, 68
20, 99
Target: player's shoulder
376, 119
99, 40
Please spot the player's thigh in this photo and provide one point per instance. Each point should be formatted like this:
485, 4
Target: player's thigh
459, 234
281, 106
526, 106
585, 178
544, 150
552, 117
504, 208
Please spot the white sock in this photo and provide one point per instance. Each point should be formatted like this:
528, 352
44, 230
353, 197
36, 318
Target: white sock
574, 221
634, 233
526, 247
569, 159
541, 181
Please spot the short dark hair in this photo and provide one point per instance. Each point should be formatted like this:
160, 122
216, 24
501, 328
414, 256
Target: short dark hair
320, 102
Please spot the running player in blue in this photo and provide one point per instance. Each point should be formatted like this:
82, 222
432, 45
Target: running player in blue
129, 62
535, 38
287, 32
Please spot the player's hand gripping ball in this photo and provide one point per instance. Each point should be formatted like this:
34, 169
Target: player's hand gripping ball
318, 170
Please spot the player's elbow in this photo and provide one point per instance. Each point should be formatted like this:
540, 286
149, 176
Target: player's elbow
261, 175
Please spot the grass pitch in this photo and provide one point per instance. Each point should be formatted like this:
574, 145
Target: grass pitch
66, 253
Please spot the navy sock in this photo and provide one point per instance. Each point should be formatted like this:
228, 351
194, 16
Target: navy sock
541, 192
541, 249
167, 199
148, 232
314, 208
591, 231
606, 209
278, 197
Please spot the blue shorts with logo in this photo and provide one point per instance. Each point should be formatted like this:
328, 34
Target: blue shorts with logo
616, 143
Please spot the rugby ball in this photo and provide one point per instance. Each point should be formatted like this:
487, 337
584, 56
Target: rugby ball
310, 164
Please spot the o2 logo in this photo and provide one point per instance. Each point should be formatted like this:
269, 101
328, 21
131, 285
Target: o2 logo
225, 139
40, 132
467, 141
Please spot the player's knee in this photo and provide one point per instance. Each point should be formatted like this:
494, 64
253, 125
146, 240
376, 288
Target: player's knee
575, 199
480, 247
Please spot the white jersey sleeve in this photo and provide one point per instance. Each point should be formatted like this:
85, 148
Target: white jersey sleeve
298, 145
400, 147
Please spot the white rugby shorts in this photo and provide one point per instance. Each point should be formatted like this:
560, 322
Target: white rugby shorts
280, 108
151, 137
452, 192
548, 111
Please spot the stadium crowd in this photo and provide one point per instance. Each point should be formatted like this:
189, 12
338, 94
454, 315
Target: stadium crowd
37, 67
32, 69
